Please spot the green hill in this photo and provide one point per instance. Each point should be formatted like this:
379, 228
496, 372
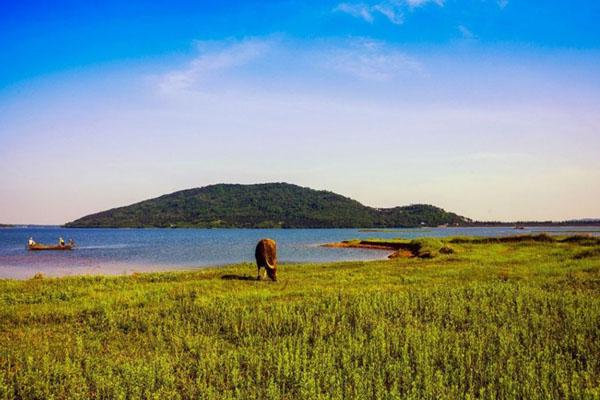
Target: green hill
269, 205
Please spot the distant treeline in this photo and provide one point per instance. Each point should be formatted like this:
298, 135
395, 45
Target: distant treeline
586, 222
280, 205
270, 205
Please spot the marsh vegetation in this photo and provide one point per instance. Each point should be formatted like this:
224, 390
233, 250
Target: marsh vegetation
494, 319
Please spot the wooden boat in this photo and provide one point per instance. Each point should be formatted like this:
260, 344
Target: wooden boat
38, 246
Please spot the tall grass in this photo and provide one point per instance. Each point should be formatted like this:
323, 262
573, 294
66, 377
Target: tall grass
493, 320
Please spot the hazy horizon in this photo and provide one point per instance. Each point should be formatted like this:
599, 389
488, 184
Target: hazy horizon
487, 109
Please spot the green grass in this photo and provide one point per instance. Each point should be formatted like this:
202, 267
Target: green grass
492, 320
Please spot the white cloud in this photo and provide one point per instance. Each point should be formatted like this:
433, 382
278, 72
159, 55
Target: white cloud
259, 61
392, 13
359, 10
371, 60
502, 3
466, 32
392, 10
419, 3
214, 56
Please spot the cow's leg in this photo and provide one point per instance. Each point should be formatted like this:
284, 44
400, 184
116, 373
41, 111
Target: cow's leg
258, 275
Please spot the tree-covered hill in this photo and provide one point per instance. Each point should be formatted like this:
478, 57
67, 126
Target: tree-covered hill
269, 205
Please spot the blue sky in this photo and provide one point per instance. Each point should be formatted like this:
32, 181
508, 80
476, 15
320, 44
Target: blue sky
486, 108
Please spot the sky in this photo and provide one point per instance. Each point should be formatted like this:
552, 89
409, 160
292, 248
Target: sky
487, 108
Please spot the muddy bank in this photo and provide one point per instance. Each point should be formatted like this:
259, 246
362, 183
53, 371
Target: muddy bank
396, 249
433, 247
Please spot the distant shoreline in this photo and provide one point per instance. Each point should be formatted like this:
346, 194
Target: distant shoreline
526, 225
364, 229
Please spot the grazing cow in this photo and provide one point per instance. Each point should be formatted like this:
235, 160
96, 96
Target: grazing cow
266, 257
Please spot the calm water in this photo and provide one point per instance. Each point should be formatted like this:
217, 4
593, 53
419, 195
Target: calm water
122, 251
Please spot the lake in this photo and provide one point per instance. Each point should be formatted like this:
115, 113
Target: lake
124, 251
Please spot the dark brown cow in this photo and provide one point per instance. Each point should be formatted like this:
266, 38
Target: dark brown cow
266, 257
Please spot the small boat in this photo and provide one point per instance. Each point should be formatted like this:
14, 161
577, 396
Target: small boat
519, 227
38, 246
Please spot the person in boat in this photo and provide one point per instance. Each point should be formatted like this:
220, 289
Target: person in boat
31, 241
61, 241
71, 242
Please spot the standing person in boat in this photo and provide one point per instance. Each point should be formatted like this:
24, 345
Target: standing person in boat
31, 241
61, 241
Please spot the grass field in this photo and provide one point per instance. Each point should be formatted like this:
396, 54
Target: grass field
493, 320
